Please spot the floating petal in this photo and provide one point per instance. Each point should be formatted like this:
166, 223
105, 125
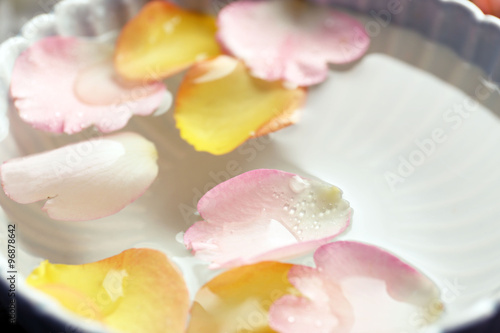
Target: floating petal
84, 181
164, 39
239, 300
220, 105
66, 84
290, 40
357, 288
491, 7
138, 290
266, 215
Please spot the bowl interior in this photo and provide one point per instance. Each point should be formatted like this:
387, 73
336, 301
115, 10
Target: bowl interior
411, 133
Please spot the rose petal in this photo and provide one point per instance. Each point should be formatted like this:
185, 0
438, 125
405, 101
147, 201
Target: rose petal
164, 39
357, 288
239, 300
138, 290
84, 181
290, 40
491, 7
220, 105
65, 84
266, 215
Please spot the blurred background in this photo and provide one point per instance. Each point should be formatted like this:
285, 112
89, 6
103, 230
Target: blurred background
13, 14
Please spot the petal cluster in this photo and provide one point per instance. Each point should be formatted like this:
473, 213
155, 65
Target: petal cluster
356, 287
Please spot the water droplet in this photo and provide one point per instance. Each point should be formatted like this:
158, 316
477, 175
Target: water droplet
291, 319
321, 214
295, 227
298, 184
180, 237
302, 213
299, 232
316, 227
327, 212
286, 207
292, 211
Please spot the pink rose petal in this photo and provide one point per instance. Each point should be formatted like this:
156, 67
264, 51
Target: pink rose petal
290, 40
66, 84
84, 181
266, 215
356, 288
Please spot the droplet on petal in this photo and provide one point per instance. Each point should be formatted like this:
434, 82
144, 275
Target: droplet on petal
164, 39
290, 40
138, 290
239, 300
357, 287
220, 105
66, 84
86, 180
244, 222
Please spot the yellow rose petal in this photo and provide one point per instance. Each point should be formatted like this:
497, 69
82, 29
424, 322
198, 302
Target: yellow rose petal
239, 300
164, 39
220, 105
138, 290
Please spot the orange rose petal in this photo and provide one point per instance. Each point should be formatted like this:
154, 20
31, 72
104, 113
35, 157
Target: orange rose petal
163, 39
138, 290
220, 105
239, 300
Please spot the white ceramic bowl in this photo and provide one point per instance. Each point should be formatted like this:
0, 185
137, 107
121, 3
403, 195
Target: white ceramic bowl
411, 133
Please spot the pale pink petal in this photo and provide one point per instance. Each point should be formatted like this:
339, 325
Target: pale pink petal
84, 181
66, 84
363, 289
290, 40
265, 215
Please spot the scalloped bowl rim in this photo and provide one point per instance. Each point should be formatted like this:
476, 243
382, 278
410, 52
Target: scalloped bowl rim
49, 308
